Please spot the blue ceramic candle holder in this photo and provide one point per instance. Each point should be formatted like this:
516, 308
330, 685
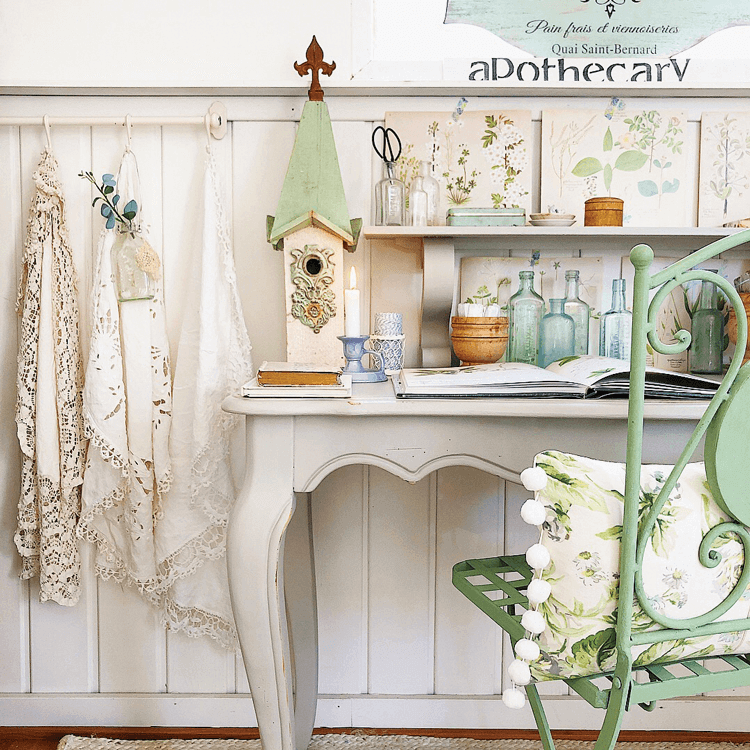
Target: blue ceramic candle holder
354, 350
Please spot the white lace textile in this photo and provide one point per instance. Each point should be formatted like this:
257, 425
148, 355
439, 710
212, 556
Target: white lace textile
127, 414
213, 361
49, 403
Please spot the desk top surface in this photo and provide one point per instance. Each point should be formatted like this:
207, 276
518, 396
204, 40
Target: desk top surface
378, 400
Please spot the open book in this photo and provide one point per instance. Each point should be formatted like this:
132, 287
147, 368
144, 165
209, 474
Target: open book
584, 376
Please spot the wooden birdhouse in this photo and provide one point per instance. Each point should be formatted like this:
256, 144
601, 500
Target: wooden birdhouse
312, 228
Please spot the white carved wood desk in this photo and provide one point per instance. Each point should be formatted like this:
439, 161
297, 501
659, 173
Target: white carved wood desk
292, 444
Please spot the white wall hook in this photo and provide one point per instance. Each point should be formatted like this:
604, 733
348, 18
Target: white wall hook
128, 131
47, 132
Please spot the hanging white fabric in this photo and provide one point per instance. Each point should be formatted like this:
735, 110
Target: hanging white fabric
213, 361
127, 413
49, 403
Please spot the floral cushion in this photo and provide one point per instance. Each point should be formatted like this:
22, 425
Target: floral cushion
583, 500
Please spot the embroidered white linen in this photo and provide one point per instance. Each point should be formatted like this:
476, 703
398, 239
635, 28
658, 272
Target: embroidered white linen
127, 413
49, 402
213, 361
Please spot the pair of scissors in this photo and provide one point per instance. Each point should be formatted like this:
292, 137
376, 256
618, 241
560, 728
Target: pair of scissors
386, 151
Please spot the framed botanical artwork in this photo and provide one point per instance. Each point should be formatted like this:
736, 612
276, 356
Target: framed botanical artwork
481, 159
620, 151
724, 181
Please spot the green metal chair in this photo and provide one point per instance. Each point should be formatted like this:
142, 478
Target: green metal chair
498, 585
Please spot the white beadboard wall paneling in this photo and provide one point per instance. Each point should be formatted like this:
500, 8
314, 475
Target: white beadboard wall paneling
353, 147
14, 593
469, 524
401, 637
261, 152
132, 644
338, 524
62, 650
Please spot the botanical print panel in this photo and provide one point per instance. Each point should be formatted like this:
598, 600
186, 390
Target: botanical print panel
724, 185
619, 151
493, 280
480, 159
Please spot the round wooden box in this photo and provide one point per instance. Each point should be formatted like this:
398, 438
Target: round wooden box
479, 341
603, 212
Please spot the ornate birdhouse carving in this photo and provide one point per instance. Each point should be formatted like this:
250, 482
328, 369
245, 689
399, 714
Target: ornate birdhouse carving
312, 228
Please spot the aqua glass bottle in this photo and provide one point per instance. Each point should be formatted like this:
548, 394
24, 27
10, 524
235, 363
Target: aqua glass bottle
556, 334
525, 311
616, 325
707, 345
579, 311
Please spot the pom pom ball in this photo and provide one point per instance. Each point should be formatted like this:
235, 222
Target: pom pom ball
537, 556
519, 672
533, 621
533, 512
514, 698
527, 650
538, 591
534, 479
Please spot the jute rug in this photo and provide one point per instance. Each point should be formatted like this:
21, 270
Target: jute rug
389, 742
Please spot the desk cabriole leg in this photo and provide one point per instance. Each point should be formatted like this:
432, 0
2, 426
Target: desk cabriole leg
255, 540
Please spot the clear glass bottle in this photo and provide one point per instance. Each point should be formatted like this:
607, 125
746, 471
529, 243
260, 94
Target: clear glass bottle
390, 199
525, 311
556, 334
432, 187
616, 324
706, 350
417, 203
579, 311
131, 259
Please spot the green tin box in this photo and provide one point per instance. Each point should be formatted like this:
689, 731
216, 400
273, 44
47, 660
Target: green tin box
486, 217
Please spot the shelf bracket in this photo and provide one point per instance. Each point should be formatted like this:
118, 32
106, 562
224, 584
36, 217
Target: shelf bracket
437, 298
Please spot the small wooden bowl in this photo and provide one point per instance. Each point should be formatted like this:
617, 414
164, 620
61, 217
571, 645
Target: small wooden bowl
732, 324
479, 341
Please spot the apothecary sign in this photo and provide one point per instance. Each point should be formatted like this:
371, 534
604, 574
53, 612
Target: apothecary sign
600, 28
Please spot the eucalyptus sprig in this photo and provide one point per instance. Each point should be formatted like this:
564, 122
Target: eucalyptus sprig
110, 198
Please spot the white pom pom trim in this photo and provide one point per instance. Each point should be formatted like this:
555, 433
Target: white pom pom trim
533, 621
538, 591
519, 672
514, 698
527, 650
534, 478
533, 512
537, 556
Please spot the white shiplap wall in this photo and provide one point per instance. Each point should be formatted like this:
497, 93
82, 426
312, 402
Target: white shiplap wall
398, 645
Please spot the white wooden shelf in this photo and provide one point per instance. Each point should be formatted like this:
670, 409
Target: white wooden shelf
644, 234
439, 246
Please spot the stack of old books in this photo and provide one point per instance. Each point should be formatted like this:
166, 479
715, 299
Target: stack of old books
298, 380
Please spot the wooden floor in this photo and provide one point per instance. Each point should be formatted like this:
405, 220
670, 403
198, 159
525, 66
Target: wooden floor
47, 738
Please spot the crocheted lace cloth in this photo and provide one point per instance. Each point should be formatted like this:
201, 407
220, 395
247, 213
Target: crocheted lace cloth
127, 413
49, 402
213, 361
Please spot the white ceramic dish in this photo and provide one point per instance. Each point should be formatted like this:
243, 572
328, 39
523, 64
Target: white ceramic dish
552, 222
536, 217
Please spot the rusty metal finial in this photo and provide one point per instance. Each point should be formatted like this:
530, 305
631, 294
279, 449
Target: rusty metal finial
314, 64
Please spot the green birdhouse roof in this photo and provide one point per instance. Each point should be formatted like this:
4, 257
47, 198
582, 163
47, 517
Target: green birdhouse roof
313, 192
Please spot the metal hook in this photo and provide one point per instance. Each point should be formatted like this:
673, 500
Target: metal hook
128, 131
45, 120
